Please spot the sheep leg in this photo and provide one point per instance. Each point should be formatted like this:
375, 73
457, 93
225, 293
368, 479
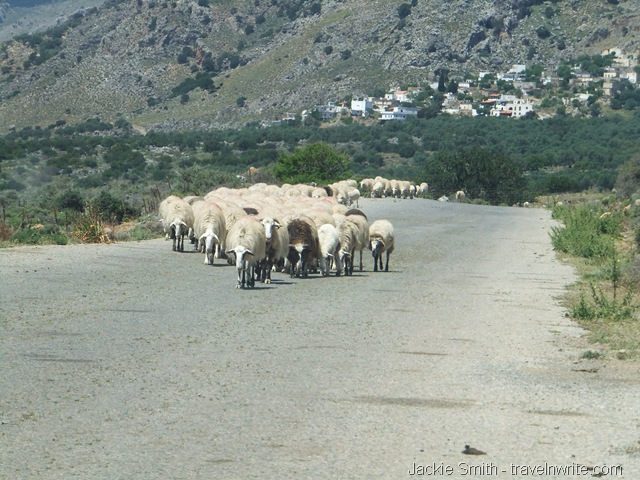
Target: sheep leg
251, 281
386, 267
361, 267
375, 261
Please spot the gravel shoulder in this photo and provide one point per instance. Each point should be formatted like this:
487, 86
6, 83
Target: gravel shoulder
132, 361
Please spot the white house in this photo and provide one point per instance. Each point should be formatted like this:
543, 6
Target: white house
399, 95
399, 113
520, 107
328, 111
632, 77
360, 107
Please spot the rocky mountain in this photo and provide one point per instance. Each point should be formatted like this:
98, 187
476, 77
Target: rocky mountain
181, 64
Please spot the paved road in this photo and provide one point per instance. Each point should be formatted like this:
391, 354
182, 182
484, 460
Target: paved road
129, 361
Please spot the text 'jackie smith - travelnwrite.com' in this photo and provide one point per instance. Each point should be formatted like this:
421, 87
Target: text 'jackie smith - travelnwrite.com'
488, 469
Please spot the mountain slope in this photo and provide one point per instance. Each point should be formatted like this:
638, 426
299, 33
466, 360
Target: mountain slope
256, 59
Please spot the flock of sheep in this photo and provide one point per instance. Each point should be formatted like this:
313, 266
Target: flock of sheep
294, 228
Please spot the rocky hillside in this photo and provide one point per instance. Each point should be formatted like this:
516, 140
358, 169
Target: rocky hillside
178, 64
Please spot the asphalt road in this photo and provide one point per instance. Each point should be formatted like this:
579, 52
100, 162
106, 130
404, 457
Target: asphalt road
129, 361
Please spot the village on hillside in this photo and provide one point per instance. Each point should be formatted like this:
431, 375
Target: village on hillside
482, 96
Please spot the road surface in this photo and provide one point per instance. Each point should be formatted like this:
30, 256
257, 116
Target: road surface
129, 361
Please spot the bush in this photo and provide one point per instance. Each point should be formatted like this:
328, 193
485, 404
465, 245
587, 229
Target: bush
586, 233
39, 236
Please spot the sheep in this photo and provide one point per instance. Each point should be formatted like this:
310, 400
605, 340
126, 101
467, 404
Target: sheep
460, 196
177, 219
404, 186
362, 238
319, 192
303, 245
277, 246
378, 189
209, 229
329, 240
366, 185
381, 239
423, 189
395, 188
248, 245
443, 198
353, 195
231, 215
347, 233
191, 199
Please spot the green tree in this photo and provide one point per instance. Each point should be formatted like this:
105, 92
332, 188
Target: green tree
70, 200
404, 10
482, 174
316, 162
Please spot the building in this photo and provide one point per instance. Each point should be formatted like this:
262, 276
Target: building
399, 113
360, 107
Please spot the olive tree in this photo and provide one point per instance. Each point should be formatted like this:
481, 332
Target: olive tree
316, 162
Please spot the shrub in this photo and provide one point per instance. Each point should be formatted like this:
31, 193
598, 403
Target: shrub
39, 236
586, 232
89, 228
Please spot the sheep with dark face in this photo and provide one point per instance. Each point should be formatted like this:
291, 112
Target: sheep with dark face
177, 220
247, 243
303, 245
381, 239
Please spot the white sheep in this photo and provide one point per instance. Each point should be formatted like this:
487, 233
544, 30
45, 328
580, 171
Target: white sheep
381, 239
460, 196
177, 220
404, 187
277, 246
329, 240
209, 228
347, 233
366, 185
362, 238
353, 196
378, 189
248, 246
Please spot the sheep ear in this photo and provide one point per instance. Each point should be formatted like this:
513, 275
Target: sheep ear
202, 236
276, 224
230, 251
248, 252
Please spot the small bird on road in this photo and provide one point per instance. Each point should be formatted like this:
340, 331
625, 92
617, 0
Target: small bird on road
472, 451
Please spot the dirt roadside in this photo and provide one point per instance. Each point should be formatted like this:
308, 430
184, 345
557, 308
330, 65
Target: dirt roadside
131, 361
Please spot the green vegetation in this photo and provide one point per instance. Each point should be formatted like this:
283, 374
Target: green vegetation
605, 301
316, 162
49, 175
589, 231
483, 175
